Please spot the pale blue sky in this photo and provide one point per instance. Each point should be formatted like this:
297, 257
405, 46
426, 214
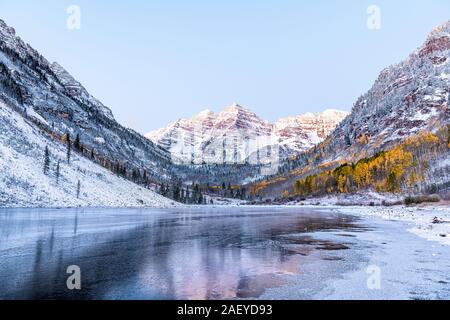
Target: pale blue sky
152, 62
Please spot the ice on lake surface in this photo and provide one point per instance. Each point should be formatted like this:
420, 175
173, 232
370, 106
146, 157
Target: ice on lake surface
210, 253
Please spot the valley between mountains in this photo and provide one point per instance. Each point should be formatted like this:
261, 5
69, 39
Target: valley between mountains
61, 147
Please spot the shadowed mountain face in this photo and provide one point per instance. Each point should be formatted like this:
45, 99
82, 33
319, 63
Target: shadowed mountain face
58, 104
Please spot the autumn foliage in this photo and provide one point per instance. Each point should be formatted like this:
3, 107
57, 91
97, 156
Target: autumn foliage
402, 167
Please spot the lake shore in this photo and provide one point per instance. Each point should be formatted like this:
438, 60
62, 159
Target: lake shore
248, 252
400, 256
429, 221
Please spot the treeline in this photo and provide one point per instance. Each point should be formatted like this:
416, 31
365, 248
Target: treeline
138, 176
228, 191
199, 194
217, 174
405, 167
9, 86
183, 194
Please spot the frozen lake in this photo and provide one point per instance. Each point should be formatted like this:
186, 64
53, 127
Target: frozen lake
214, 253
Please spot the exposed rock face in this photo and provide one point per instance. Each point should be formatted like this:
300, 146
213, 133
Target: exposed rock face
438, 41
407, 98
74, 89
236, 133
435, 45
303, 132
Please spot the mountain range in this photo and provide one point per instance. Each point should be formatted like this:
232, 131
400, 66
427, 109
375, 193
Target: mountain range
60, 146
212, 137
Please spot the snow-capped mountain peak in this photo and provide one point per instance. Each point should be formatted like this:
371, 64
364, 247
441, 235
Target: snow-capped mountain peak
204, 114
440, 30
294, 134
236, 117
304, 131
235, 107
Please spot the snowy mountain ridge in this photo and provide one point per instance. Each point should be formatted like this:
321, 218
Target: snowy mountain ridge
44, 112
407, 99
75, 89
47, 92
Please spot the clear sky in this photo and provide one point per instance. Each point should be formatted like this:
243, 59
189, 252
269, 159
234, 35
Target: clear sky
153, 62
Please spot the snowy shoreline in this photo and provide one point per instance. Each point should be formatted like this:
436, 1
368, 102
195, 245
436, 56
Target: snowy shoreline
428, 221
431, 222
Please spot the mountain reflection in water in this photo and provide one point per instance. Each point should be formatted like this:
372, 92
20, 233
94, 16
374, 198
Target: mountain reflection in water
209, 253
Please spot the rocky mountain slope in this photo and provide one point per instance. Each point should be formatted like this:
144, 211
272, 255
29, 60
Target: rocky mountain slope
47, 92
24, 182
233, 135
408, 99
301, 133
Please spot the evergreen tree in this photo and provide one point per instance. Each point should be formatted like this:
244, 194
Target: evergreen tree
78, 189
243, 193
188, 197
57, 171
77, 143
144, 177
46, 160
136, 175
162, 190
69, 147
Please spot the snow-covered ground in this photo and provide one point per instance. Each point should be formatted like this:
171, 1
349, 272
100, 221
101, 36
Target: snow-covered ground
24, 184
431, 222
359, 199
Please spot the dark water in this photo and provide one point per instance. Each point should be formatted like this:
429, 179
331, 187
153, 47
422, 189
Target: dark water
210, 253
